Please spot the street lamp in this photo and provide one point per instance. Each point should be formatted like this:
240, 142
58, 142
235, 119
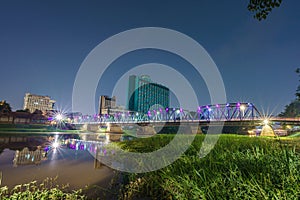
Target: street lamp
59, 117
242, 108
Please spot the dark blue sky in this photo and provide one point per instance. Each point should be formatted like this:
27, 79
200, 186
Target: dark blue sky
43, 43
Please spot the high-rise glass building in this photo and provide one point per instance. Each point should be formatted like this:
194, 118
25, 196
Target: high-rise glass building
143, 94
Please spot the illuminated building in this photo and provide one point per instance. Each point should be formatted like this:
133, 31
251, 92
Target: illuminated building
34, 102
106, 104
143, 94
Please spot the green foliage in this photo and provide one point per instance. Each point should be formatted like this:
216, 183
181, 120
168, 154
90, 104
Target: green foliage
46, 190
291, 110
298, 88
261, 8
238, 167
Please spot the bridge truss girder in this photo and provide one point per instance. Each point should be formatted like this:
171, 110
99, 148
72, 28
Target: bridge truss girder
217, 112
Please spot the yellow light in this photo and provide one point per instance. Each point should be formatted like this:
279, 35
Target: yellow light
266, 122
242, 107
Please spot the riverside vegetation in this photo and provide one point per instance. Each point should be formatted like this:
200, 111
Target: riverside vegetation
238, 167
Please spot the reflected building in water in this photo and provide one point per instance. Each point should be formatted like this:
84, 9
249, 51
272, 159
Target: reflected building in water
26, 157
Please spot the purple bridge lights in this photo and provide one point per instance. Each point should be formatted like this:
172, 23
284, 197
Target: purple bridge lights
218, 112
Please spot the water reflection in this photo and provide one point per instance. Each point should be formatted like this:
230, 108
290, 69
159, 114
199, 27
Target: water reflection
24, 158
32, 142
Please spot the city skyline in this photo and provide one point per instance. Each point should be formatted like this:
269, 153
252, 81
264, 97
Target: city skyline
44, 44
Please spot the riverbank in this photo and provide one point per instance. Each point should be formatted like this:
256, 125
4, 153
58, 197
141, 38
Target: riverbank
238, 167
33, 129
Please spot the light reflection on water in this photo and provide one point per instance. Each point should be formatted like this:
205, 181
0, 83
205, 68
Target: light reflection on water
24, 158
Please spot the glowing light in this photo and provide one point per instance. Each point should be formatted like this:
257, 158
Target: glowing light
55, 144
59, 117
242, 107
177, 111
266, 122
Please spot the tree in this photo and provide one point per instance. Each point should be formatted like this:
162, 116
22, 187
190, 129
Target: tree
293, 109
261, 8
298, 88
4, 107
37, 112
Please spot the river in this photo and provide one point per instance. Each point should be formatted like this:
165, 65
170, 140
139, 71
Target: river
29, 157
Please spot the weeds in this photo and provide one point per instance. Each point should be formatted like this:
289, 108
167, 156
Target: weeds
48, 189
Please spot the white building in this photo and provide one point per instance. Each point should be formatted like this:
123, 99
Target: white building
34, 102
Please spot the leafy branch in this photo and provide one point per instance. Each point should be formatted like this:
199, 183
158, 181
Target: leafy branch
261, 8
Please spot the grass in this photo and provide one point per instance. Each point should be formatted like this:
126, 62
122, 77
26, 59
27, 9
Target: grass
295, 135
238, 167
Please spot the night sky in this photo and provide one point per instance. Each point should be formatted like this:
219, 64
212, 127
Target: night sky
43, 44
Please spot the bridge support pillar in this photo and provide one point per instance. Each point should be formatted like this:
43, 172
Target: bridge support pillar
196, 129
93, 127
88, 127
114, 128
145, 131
83, 127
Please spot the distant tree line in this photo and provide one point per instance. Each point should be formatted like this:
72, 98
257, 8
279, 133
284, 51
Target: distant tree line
293, 109
20, 116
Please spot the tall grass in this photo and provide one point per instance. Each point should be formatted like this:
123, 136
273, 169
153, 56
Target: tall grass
48, 189
238, 167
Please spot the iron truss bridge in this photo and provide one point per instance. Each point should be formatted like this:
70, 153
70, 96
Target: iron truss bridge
217, 112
